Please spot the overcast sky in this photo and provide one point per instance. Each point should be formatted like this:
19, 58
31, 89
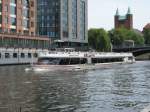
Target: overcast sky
101, 12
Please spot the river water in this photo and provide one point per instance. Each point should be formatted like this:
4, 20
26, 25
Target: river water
117, 88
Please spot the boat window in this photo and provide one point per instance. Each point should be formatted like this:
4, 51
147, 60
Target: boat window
72, 61
0, 55
14, 55
69, 61
22, 55
130, 58
29, 55
7, 55
106, 60
50, 61
64, 61
83, 61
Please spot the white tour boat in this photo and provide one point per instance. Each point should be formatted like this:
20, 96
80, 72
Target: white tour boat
72, 60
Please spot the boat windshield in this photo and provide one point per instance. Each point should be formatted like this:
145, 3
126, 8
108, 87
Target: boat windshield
49, 61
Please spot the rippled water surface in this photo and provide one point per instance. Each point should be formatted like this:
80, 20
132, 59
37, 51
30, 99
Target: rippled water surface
117, 88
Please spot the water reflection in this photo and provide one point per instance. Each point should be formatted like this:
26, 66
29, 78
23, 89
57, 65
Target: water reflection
121, 88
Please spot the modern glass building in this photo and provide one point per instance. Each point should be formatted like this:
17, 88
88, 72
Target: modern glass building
64, 21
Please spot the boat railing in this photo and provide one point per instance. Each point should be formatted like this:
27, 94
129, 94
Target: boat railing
90, 54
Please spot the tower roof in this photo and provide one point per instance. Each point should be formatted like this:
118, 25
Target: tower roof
117, 12
129, 11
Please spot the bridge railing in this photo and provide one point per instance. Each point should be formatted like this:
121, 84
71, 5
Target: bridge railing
135, 46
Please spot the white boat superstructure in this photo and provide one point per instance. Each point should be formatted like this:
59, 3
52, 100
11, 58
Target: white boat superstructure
57, 60
11, 56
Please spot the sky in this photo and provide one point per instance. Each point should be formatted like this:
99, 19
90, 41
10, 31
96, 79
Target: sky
101, 12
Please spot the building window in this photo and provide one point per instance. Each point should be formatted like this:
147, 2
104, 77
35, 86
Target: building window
13, 21
32, 24
65, 18
6, 20
6, 8
5, 29
14, 1
0, 19
26, 3
26, 23
32, 33
0, 7
26, 32
13, 30
74, 18
26, 13
83, 20
13, 10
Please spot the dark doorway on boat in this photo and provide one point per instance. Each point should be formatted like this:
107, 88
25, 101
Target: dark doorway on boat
106, 60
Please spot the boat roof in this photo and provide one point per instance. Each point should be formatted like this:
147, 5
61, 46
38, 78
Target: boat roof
84, 55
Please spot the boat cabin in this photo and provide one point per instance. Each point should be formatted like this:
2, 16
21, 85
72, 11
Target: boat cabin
61, 61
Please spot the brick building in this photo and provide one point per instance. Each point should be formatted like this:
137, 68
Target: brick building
125, 21
18, 16
18, 25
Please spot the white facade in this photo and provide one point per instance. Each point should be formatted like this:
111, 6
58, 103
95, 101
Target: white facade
74, 21
64, 20
11, 56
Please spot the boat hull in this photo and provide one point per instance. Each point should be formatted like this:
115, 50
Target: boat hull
44, 68
40, 68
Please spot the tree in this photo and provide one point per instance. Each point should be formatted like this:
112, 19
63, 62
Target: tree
138, 39
99, 40
146, 33
118, 36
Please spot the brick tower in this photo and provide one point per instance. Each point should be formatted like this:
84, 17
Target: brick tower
123, 21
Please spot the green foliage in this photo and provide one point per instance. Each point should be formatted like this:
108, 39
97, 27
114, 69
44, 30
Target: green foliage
118, 36
146, 33
99, 40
